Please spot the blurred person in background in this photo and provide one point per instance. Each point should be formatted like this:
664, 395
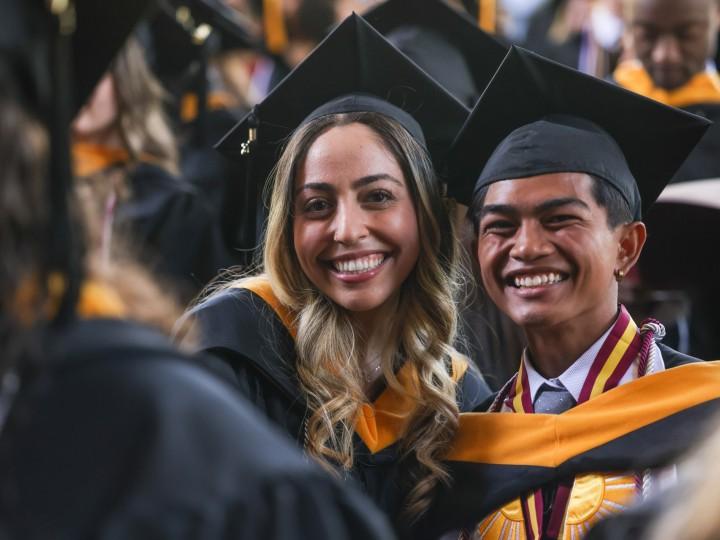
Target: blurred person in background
674, 42
126, 161
584, 34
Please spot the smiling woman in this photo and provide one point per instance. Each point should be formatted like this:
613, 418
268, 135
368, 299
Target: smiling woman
346, 337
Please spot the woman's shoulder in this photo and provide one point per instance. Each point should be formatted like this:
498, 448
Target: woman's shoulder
246, 326
471, 386
237, 315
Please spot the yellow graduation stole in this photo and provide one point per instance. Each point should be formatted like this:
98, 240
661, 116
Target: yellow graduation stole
702, 88
581, 502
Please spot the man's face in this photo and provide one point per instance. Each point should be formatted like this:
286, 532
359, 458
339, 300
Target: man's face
546, 252
674, 38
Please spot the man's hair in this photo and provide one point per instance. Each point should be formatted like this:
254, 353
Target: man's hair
605, 195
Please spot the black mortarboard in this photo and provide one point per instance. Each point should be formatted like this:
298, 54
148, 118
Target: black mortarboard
442, 41
353, 60
101, 30
538, 117
183, 28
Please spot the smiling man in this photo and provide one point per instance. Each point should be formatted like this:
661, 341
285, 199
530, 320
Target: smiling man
674, 42
564, 166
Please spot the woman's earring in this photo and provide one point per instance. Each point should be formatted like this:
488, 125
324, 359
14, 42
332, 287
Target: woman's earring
619, 274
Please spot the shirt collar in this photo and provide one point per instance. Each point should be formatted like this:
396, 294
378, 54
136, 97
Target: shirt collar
573, 378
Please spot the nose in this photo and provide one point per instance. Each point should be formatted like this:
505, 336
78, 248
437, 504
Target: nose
349, 224
530, 242
666, 50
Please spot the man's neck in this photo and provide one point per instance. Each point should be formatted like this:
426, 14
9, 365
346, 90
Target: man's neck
554, 349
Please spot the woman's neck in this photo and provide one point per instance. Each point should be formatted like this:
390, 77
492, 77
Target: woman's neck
375, 331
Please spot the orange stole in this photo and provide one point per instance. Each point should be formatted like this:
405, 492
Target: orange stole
382, 423
702, 88
96, 300
549, 440
90, 158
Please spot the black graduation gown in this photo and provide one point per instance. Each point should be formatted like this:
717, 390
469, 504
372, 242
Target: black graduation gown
173, 228
643, 424
248, 344
704, 161
121, 437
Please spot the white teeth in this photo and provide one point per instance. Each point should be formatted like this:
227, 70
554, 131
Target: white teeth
363, 264
537, 280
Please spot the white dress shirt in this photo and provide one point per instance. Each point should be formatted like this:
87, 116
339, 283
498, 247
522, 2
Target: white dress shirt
573, 378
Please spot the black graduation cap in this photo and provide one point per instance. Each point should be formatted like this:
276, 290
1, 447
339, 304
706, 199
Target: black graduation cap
184, 30
444, 42
102, 27
354, 59
361, 62
538, 116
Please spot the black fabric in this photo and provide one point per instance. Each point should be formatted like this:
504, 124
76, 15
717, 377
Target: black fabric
122, 437
520, 128
447, 44
173, 228
358, 102
245, 342
102, 28
542, 148
703, 161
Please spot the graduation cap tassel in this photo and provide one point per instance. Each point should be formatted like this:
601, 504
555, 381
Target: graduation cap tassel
248, 226
65, 249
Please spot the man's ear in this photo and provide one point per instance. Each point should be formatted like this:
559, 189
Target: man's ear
631, 241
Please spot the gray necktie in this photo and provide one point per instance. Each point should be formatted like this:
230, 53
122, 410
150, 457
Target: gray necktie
553, 400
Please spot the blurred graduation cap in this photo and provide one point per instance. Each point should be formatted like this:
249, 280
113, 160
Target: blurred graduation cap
53, 53
101, 30
187, 31
445, 43
355, 63
538, 117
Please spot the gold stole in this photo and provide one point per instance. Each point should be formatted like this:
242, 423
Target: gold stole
702, 88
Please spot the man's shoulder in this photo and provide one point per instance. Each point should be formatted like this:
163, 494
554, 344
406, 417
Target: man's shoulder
673, 358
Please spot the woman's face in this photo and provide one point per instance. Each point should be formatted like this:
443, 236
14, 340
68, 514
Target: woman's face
98, 115
355, 228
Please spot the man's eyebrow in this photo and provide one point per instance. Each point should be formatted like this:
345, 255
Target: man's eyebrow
551, 204
505, 209
557, 203
360, 182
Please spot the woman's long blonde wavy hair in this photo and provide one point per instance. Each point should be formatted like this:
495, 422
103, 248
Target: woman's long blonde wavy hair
329, 348
142, 121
